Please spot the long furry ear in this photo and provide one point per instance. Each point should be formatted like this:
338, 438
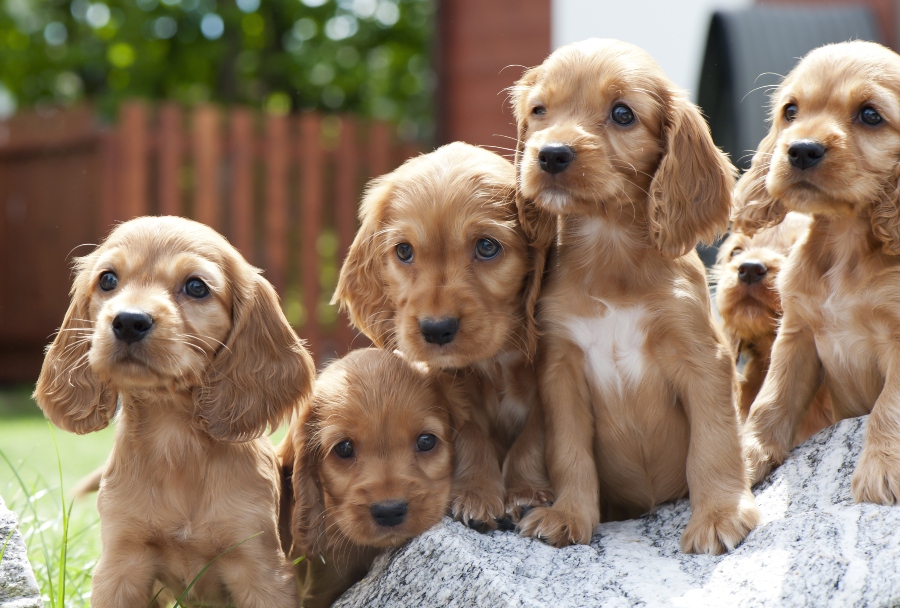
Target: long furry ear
261, 373
754, 207
308, 518
690, 195
886, 216
539, 227
360, 289
70, 394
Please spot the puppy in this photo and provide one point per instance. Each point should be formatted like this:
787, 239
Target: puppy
750, 305
372, 463
170, 322
832, 152
441, 270
618, 172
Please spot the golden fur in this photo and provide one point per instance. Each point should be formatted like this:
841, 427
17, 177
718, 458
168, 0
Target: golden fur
751, 310
840, 286
442, 204
189, 475
382, 405
636, 380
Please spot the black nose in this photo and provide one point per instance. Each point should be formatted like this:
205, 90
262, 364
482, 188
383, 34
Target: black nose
440, 331
553, 158
131, 327
806, 153
751, 271
389, 514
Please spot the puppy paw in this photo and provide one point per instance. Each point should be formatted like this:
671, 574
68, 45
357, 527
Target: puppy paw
557, 527
876, 478
519, 501
719, 530
761, 459
478, 508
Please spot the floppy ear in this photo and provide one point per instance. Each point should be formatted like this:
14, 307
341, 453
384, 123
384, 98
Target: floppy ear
690, 195
754, 207
886, 216
308, 517
260, 374
539, 227
70, 394
360, 288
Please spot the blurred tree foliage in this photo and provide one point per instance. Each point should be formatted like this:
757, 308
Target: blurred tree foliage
365, 56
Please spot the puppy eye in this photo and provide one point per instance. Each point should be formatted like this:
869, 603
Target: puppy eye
790, 112
196, 288
426, 442
736, 251
108, 281
870, 116
539, 110
404, 252
622, 114
344, 449
487, 249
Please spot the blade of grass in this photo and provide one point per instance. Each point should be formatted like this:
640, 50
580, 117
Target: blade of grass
66, 514
9, 538
206, 567
298, 560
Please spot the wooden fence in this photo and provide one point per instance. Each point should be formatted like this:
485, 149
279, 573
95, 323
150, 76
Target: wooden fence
283, 189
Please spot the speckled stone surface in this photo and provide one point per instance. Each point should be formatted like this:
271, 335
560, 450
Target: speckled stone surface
813, 547
18, 589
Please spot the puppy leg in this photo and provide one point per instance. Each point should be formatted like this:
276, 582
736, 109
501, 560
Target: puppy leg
260, 577
723, 508
124, 576
570, 452
476, 495
793, 379
525, 470
877, 475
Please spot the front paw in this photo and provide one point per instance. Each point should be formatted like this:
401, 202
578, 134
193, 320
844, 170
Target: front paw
760, 458
519, 501
477, 506
876, 478
557, 526
716, 530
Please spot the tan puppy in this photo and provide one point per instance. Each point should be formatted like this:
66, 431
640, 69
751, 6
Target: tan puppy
832, 152
372, 464
441, 270
618, 170
749, 302
170, 321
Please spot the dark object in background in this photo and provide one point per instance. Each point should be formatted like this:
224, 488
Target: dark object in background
748, 52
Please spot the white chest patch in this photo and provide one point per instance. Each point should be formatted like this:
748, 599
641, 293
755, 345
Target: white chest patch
613, 346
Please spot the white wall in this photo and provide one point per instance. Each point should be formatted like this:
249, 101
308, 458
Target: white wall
673, 31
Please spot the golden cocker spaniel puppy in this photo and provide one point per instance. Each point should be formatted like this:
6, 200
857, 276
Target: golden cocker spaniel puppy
832, 152
372, 459
619, 175
441, 270
170, 322
746, 273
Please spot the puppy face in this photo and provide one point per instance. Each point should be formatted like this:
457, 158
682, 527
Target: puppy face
439, 266
746, 272
601, 128
374, 453
834, 140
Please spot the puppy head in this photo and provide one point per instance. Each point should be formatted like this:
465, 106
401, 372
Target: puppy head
746, 272
440, 267
601, 128
833, 145
166, 305
374, 455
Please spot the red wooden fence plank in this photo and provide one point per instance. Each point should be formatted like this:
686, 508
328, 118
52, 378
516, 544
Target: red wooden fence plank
170, 158
110, 186
310, 155
346, 193
134, 144
242, 145
380, 157
207, 161
276, 201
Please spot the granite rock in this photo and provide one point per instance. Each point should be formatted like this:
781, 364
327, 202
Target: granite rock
813, 547
18, 588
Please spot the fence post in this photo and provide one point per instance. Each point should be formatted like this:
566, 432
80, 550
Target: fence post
170, 157
346, 192
207, 160
311, 167
243, 145
380, 161
276, 210
134, 142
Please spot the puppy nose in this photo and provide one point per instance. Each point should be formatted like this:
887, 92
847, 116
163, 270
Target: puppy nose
553, 158
439, 331
806, 153
751, 271
389, 514
131, 326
